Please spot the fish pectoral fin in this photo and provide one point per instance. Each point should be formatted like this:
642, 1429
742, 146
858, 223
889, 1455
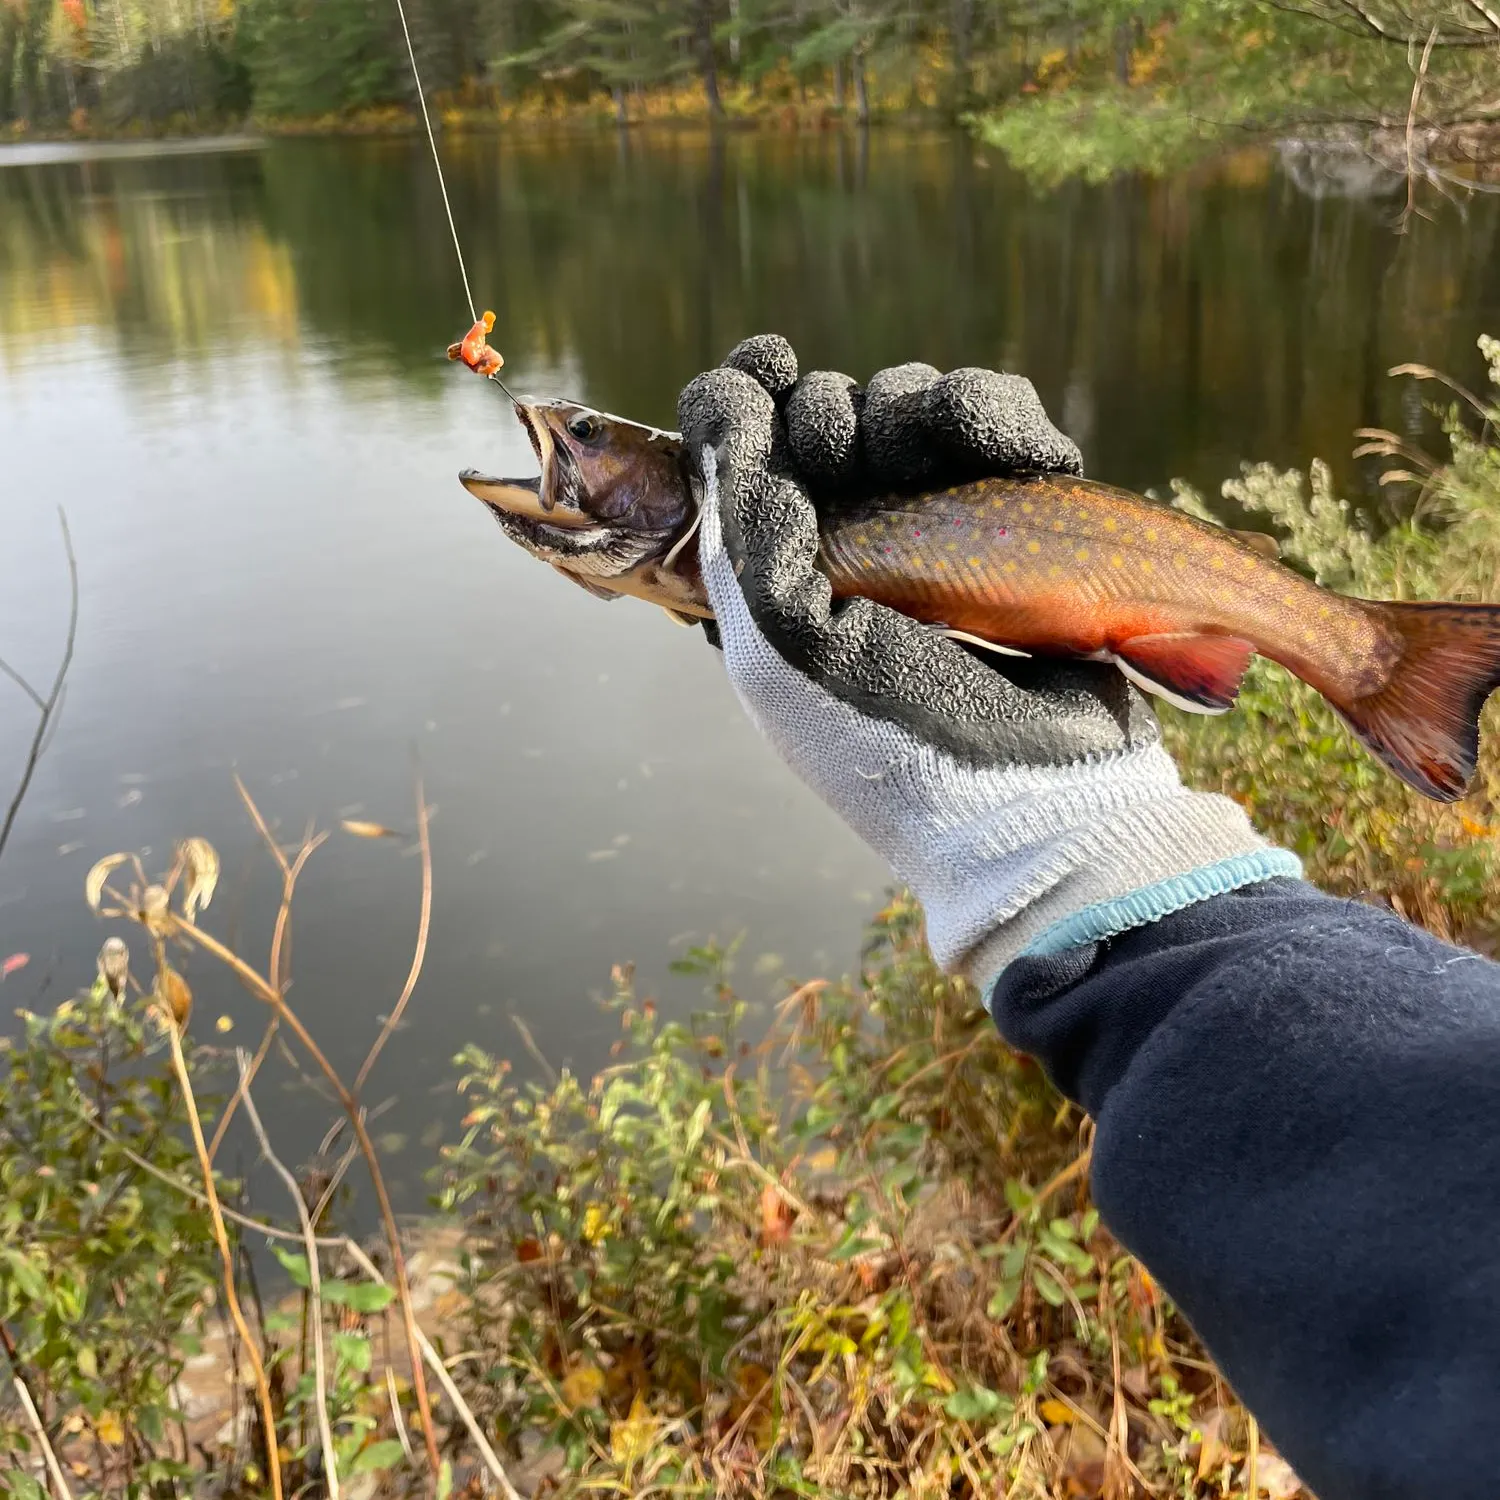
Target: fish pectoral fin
1199, 673
1259, 541
975, 640
598, 590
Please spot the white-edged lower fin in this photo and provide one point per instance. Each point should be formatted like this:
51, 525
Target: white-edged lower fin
1159, 690
974, 640
679, 617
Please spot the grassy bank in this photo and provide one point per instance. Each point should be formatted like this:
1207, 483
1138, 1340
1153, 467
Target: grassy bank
842, 1249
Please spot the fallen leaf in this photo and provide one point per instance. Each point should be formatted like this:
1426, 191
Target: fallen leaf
362, 830
1214, 1451
93, 882
107, 1425
1082, 1452
583, 1385
223, 1024
595, 1224
776, 1217
1057, 1413
1274, 1477
14, 962
202, 861
633, 1438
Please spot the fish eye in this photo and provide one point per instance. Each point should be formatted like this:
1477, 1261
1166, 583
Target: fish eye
583, 427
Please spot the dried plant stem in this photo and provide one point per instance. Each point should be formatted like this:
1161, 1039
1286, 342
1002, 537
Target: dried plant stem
1411, 127
315, 1283
23, 1394
226, 1255
46, 707
1252, 1458
419, 953
289, 873
259, 986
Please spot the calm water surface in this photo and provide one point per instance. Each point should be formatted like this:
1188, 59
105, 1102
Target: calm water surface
228, 365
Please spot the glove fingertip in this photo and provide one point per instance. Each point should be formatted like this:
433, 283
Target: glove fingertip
822, 425
768, 359
988, 421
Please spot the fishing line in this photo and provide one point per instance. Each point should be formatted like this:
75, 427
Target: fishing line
442, 182
432, 142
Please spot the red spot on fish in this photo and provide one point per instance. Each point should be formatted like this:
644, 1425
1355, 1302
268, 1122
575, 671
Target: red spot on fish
1003, 531
916, 531
14, 962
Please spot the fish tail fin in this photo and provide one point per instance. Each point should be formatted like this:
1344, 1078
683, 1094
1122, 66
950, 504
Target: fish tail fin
1424, 722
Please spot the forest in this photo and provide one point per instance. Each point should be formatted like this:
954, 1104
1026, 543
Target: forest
1129, 80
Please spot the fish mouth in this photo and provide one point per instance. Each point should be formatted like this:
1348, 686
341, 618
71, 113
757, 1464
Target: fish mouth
550, 497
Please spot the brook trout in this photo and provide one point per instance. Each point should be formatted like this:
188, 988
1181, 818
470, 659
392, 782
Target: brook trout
1045, 564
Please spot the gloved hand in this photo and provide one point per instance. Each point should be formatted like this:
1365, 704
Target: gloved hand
1028, 803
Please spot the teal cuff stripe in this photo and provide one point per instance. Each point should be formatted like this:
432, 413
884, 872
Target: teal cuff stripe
1154, 902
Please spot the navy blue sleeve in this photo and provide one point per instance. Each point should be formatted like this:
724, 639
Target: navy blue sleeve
1298, 1130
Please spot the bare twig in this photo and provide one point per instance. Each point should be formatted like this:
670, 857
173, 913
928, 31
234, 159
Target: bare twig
1411, 134
1252, 1460
396, 1417
226, 1255
46, 707
314, 1278
23, 1394
289, 875
419, 953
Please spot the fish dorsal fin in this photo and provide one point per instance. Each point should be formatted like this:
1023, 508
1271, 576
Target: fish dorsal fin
1199, 673
1259, 541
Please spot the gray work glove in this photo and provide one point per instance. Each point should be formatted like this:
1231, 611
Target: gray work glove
1028, 803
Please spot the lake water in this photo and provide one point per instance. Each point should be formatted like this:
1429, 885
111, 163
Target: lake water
227, 364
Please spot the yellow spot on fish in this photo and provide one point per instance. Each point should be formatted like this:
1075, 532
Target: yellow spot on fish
1110, 524
1179, 561
1055, 571
1324, 612
1082, 554
917, 562
861, 540
1216, 563
1309, 636
1286, 601
974, 562
941, 565
1151, 533
1116, 561
1058, 526
997, 504
1083, 515
1010, 567
1147, 566
953, 546
1027, 507
1033, 547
